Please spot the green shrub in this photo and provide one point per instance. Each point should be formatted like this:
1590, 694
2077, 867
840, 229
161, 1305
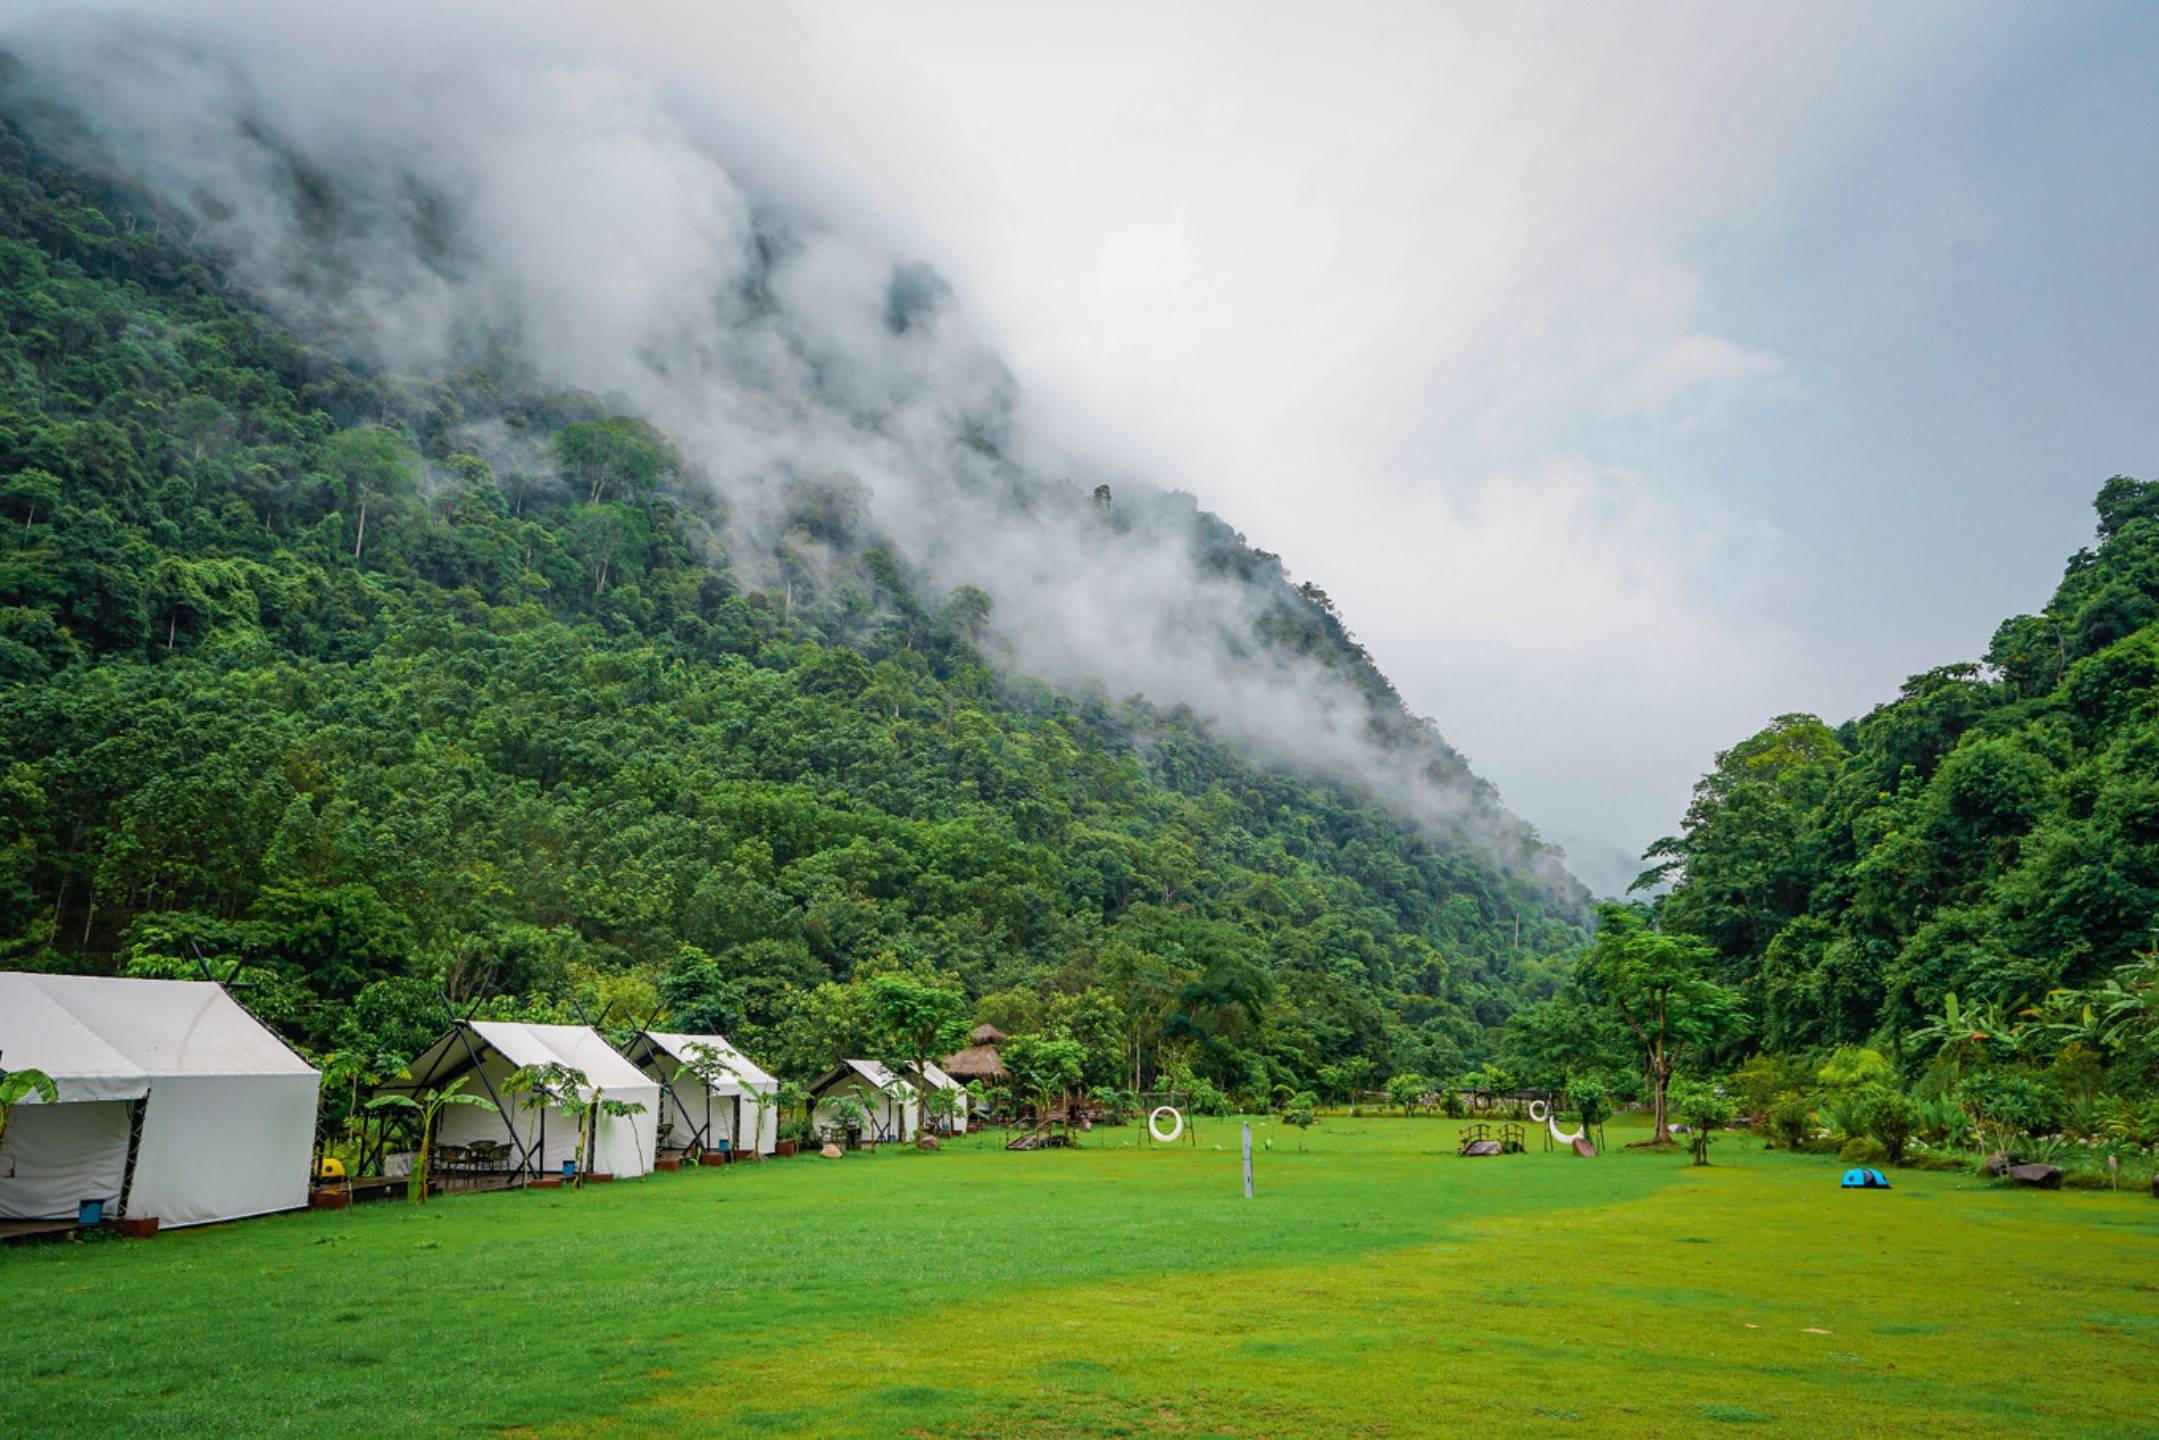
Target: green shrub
1592, 1100
1889, 1117
2084, 1180
1766, 1079
1863, 1150
1943, 1160
1791, 1120
1705, 1112
1852, 1068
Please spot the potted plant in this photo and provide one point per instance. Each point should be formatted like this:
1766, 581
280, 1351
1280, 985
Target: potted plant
789, 1095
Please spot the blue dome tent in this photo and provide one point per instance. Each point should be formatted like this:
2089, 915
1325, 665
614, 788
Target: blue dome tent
1865, 1180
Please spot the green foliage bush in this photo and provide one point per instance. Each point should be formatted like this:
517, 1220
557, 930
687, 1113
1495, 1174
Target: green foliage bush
1791, 1119
1939, 1160
1888, 1117
1705, 1113
1592, 1100
1863, 1150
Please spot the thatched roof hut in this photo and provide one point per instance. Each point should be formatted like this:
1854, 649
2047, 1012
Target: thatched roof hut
987, 1035
977, 1062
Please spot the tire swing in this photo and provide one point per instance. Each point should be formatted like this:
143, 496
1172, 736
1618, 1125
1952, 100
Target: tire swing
1176, 1124
1542, 1112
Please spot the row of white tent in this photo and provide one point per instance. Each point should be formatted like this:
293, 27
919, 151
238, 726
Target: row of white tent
891, 1104
176, 1103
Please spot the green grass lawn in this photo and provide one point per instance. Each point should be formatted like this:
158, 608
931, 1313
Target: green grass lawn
1376, 1286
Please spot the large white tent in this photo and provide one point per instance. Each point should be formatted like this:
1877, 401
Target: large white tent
889, 1100
540, 1137
709, 1113
174, 1103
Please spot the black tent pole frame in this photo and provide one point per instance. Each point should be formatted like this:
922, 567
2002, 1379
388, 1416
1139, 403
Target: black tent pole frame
457, 1028
137, 1112
702, 1135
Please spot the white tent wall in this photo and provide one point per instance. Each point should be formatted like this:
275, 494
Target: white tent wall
626, 1141
220, 1147
57, 1156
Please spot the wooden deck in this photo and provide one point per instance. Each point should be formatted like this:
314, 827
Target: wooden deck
26, 1229
392, 1187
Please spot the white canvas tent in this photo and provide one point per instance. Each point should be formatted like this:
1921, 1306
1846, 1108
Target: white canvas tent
889, 1100
540, 1137
939, 1080
174, 1103
709, 1114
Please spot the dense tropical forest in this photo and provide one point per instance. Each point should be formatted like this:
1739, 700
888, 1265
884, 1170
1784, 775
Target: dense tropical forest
377, 688
1945, 908
292, 675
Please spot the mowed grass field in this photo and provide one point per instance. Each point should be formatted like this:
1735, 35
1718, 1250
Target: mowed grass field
1376, 1286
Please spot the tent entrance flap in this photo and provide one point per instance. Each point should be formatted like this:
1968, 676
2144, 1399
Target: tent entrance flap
58, 1156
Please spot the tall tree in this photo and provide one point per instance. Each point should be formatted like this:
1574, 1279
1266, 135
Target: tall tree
376, 468
916, 1019
1660, 984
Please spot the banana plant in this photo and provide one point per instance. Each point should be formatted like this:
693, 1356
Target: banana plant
428, 1108
1964, 1034
17, 1086
537, 1087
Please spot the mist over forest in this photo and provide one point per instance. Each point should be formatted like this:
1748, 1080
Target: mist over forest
483, 526
470, 543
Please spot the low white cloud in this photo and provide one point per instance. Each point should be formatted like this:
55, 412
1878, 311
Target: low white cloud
1700, 370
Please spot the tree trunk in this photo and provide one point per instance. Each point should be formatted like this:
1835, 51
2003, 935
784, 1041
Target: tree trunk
1660, 1077
360, 536
422, 1161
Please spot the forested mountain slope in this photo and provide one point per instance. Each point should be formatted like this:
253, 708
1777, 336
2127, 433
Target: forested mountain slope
1993, 832
397, 683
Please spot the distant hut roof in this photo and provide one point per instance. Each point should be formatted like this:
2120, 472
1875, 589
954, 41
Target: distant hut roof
976, 1062
987, 1035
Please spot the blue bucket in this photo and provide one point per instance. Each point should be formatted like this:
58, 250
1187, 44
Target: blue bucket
90, 1212
569, 1169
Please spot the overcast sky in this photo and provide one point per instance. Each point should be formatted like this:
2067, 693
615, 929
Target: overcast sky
1629, 375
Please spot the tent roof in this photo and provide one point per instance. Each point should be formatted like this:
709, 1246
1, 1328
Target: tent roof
869, 1070
108, 1039
578, 1046
940, 1079
747, 1073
